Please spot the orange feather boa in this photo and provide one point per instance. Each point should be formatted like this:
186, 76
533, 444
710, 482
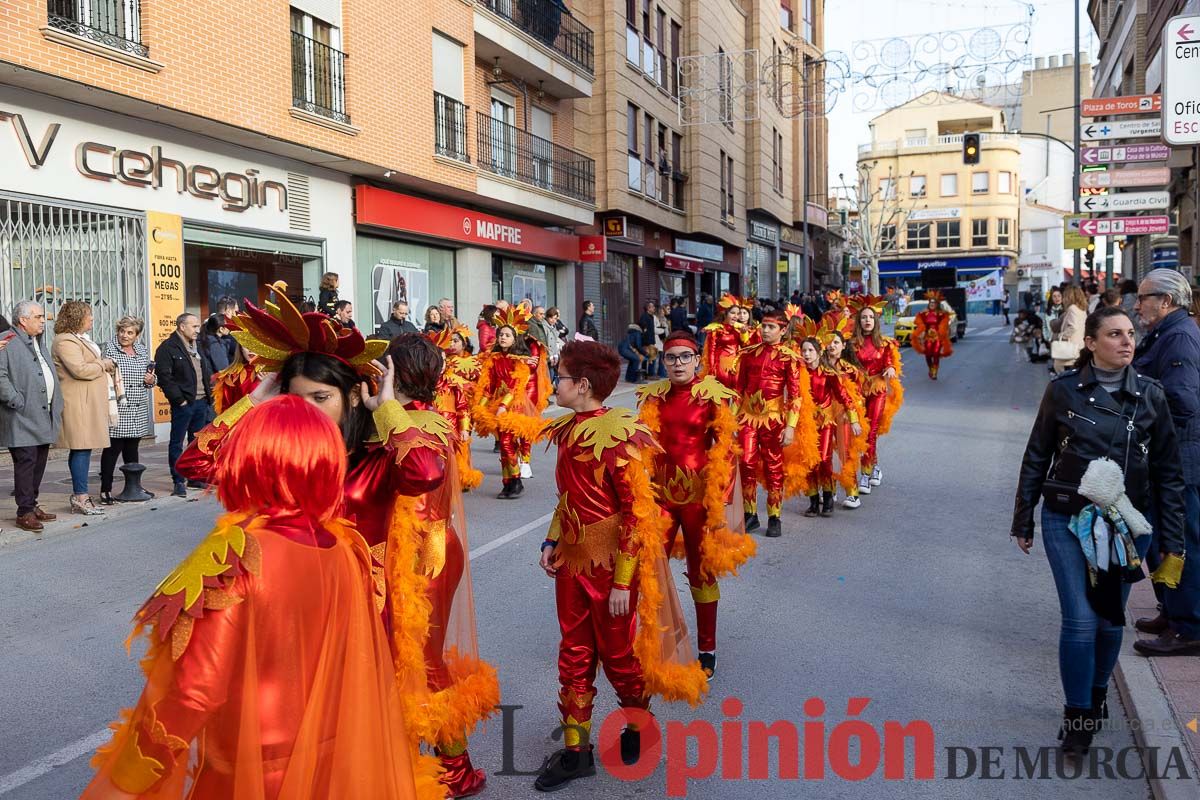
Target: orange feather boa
804, 453
487, 422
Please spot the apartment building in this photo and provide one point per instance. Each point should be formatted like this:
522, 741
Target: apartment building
951, 214
419, 150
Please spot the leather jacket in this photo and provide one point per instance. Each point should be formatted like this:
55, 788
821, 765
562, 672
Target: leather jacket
1079, 421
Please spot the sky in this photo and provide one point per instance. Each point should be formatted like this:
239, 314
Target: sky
850, 21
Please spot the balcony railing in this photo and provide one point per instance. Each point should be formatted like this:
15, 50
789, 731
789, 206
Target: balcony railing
112, 23
450, 128
318, 78
936, 141
513, 153
550, 23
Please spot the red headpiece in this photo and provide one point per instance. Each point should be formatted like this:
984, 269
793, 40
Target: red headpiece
875, 302
681, 339
445, 337
728, 301
515, 317
934, 297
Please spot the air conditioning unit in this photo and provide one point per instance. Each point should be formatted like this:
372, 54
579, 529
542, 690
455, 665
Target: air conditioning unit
1021, 273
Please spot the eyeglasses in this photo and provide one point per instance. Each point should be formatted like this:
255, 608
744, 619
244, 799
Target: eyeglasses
683, 358
562, 377
1144, 297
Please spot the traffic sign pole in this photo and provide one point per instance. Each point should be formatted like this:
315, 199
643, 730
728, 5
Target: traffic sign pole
1076, 277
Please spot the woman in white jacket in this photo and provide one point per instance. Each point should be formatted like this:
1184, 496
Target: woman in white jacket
1070, 328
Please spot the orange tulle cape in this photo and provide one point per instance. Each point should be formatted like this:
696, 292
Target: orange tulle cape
804, 453
522, 418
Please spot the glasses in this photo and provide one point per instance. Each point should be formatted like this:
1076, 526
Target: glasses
682, 358
1144, 297
562, 377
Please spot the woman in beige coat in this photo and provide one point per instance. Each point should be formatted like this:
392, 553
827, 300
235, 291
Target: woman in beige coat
85, 379
1071, 322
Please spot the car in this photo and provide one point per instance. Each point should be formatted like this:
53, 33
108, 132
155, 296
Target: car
907, 321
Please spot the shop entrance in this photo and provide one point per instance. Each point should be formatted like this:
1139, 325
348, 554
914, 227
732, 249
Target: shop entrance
220, 263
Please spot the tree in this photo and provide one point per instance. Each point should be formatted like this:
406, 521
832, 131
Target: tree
874, 231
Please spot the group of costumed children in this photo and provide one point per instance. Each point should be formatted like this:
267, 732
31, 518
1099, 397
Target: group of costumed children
321, 641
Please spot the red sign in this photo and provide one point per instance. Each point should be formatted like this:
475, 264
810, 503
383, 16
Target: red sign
1132, 104
1124, 226
593, 248
683, 263
402, 212
615, 226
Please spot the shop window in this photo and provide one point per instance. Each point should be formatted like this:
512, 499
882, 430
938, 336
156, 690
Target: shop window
390, 270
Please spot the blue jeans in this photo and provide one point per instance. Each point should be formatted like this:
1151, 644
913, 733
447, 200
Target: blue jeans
78, 462
1088, 645
186, 421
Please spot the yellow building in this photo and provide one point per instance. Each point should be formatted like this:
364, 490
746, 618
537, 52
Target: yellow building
947, 213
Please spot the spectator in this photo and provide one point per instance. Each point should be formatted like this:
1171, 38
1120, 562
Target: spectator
183, 378
343, 314
646, 323
397, 323
1005, 306
1111, 298
1170, 353
1093, 295
554, 317
1129, 291
328, 294
679, 315
308, 306
1070, 327
662, 329
538, 329
587, 321
30, 409
1084, 417
4, 326
446, 306
212, 343
554, 339
631, 350
486, 328
87, 381
135, 418
433, 320
227, 307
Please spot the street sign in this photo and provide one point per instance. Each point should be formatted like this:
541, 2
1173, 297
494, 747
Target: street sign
1124, 154
1181, 80
1110, 106
1071, 238
1131, 201
1126, 178
1126, 226
1122, 129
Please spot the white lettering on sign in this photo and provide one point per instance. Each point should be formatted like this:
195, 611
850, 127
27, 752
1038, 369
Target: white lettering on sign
495, 232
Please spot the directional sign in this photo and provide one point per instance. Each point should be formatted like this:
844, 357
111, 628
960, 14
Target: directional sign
1122, 129
1131, 201
1125, 178
1181, 80
1124, 226
1110, 106
1124, 154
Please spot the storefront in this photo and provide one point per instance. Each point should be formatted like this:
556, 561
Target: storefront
90, 198
762, 258
906, 273
721, 267
792, 249
418, 250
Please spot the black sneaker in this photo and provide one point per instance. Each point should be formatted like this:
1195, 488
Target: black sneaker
180, 489
197, 485
751, 522
631, 746
708, 663
506, 492
827, 504
517, 487
774, 528
564, 767
814, 506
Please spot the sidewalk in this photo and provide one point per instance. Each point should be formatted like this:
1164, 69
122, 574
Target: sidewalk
1163, 694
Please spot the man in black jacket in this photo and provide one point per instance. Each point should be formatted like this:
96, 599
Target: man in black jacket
397, 324
646, 323
186, 380
678, 315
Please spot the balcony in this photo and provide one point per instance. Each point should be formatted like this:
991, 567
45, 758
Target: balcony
112, 23
517, 155
319, 79
450, 128
936, 143
539, 42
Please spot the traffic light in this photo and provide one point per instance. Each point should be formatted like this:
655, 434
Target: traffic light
970, 148
1089, 255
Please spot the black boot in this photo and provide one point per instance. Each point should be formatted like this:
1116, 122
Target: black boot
564, 767
826, 504
1078, 728
814, 506
506, 492
517, 487
774, 528
631, 746
751, 522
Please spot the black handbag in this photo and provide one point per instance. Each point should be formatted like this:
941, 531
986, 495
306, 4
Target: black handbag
1062, 497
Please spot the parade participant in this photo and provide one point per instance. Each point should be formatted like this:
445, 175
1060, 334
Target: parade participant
456, 394
539, 387
505, 404
616, 600
879, 357
839, 309
695, 477
236, 381
403, 493
850, 447
725, 339
931, 332
265, 647
772, 398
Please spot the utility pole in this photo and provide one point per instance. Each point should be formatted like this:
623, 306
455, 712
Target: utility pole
1076, 276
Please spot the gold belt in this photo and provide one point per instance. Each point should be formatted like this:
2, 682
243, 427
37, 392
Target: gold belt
583, 547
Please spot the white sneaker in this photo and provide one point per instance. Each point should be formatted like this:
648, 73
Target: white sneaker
851, 502
526, 472
876, 476
864, 484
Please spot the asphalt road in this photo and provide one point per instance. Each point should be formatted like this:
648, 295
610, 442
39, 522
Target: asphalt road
917, 601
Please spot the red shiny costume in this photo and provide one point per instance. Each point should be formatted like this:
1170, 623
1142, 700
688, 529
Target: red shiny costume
723, 342
875, 361
768, 385
931, 339
827, 388
232, 384
595, 551
453, 400
509, 381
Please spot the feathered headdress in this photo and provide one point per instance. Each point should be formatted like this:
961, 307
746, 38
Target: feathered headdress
934, 296
728, 301
807, 328
516, 317
791, 311
833, 325
875, 302
445, 337
748, 301
278, 330
835, 298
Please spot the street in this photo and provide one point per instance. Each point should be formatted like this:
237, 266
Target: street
918, 601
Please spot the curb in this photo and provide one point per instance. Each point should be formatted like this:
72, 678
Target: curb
66, 524
1146, 702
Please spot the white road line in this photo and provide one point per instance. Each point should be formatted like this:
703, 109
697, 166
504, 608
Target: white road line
36, 769
484, 549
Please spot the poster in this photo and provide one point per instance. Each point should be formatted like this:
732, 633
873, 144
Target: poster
989, 287
529, 287
164, 256
393, 281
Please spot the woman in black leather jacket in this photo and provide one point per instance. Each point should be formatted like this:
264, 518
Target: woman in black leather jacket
1100, 409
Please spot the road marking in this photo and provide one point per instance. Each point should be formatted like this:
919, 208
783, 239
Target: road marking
484, 549
36, 769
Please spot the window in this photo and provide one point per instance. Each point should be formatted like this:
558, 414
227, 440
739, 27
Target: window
664, 166
914, 137
661, 35
1038, 241
727, 210
633, 41
449, 113
949, 234
318, 67
1004, 182
649, 63
635, 159
649, 174
887, 237
949, 185
1003, 233
725, 78
916, 186
979, 183
678, 179
776, 161
676, 36
724, 178
979, 233
887, 188
785, 14
807, 22
729, 186
917, 235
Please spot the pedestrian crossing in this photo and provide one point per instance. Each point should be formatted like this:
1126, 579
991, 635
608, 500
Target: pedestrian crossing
974, 333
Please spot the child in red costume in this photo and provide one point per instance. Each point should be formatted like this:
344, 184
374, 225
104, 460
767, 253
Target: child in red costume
931, 333
879, 357
455, 396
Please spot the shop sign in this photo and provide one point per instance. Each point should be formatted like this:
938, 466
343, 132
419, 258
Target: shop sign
704, 250
763, 231
682, 263
593, 249
164, 256
614, 226
781, 265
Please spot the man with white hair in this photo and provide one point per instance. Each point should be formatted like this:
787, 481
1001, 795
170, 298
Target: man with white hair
1170, 352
